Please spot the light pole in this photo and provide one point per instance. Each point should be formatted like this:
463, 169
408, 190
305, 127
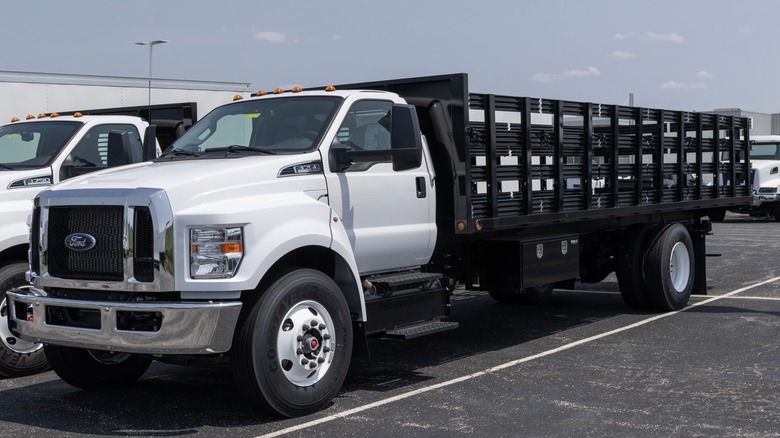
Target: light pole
151, 45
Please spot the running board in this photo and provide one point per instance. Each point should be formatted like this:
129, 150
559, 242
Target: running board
417, 330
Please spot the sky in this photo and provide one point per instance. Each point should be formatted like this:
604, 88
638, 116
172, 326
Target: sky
683, 54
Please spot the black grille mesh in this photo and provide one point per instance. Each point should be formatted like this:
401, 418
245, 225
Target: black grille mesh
105, 260
143, 243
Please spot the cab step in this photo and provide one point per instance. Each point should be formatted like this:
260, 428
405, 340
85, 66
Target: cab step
407, 305
422, 329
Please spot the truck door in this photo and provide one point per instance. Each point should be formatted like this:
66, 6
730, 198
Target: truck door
388, 215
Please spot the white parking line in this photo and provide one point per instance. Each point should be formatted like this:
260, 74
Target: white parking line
755, 298
565, 347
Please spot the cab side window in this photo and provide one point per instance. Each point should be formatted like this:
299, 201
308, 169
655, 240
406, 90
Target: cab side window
92, 149
367, 126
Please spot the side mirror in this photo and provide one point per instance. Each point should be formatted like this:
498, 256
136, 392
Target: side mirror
150, 143
406, 140
119, 150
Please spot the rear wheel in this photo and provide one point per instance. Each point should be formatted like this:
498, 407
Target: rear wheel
629, 270
17, 356
293, 348
94, 369
669, 268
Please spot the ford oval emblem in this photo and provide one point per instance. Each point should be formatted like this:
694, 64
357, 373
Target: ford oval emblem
80, 242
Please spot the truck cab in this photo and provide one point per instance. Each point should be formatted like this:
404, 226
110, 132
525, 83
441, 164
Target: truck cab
764, 179
764, 175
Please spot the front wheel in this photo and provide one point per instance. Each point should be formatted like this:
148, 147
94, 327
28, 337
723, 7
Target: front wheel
293, 348
96, 370
669, 268
17, 357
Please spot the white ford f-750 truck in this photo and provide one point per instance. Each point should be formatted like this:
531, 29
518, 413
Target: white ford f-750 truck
46, 149
281, 230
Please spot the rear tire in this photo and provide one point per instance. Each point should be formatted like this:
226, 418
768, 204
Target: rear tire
17, 357
96, 370
629, 270
670, 269
293, 348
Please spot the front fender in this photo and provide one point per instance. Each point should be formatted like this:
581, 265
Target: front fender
274, 225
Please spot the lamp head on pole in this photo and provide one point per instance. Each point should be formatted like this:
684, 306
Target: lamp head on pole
150, 43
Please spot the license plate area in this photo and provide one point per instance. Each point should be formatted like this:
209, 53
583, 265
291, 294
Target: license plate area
73, 317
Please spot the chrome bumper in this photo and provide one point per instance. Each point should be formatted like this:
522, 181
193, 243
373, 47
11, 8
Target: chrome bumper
761, 198
185, 328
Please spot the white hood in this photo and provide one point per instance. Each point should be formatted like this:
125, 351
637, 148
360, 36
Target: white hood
189, 182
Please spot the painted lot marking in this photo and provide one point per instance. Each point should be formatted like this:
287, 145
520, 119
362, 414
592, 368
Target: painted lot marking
565, 347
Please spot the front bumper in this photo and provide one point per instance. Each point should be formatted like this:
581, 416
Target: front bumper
761, 198
184, 327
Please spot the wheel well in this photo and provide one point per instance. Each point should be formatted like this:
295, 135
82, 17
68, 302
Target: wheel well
13, 254
321, 259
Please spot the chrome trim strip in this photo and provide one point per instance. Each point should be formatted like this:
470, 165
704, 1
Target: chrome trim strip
187, 328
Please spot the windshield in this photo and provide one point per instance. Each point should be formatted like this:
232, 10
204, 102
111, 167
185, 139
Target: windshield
32, 145
764, 151
272, 126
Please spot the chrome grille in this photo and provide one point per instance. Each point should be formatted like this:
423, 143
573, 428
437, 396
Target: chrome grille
105, 261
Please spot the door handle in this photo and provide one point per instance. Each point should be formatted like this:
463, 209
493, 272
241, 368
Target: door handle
421, 189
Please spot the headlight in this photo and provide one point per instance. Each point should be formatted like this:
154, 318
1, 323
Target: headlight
215, 252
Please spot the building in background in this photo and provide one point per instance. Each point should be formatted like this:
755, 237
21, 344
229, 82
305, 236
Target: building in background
760, 123
23, 93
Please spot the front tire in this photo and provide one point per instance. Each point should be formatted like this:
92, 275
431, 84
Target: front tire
96, 370
17, 357
293, 348
669, 268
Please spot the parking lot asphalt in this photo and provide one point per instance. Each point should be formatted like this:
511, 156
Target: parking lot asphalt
581, 365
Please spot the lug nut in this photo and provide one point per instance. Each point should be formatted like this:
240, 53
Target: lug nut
300, 338
299, 351
305, 328
320, 359
326, 350
304, 362
326, 336
322, 327
314, 323
312, 364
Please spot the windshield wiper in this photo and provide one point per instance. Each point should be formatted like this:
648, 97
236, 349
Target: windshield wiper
238, 148
7, 167
179, 152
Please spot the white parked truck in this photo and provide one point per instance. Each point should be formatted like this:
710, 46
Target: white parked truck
43, 150
281, 230
764, 179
